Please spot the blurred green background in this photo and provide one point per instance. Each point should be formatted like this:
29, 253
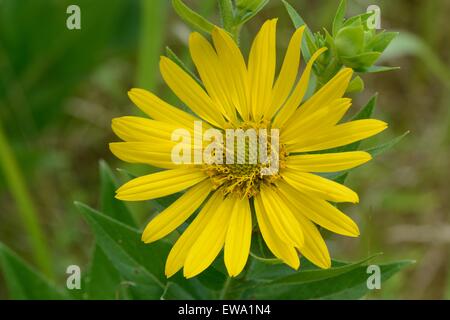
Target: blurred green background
60, 88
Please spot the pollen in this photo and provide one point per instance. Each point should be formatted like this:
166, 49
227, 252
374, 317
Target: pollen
248, 170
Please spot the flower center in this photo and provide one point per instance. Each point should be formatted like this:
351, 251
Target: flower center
251, 158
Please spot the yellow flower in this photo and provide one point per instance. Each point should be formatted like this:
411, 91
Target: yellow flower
287, 205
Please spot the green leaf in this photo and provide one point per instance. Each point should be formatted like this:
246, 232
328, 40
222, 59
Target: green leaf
247, 9
356, 85
153, 17
340, 178
358, 20
346, 281
103, 281
141, 265
381, 41
191, 17
23, 281
298, 21
367, 111
361, 61
376, 69
126, 173
182, 65
227, 14
375, 151
108, 202
318, 274
354, 286
339, 17
349, 41
173, 291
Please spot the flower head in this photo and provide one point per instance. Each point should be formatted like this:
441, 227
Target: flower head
238, 197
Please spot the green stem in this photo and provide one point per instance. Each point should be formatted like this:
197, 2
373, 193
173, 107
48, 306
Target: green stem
332, 69
25, 206
153, 16
226, 286
266, 260
227, 14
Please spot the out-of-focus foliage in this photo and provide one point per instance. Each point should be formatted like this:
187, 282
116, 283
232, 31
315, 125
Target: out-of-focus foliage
142, 267
60, 88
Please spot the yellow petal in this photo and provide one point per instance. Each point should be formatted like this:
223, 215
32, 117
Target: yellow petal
280, 249
297, 95
210, 241
320, 211
178, 253
238, 238
308, 125
315, 249
178, 212
304, 125
142, 129
261, 68
190, 92
160, 184
288, 73
333, 89
324, 188
339, 135
159, 109
327, 162
281, 218
338, 108
234, 70
209, 69
155, 153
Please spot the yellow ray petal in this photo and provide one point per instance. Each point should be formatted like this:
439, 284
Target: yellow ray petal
307, 125
159, 109
315, 249
281, 218
175, 214
338, 108
142, 129
327, 162
208, 66
324, 188
178, 253
333, 89
320, 211
155, 153
238, 238
339, 135
288, 73
297, 95
261, 68
304, 125
210, 241
280, 249
190, 92
160, 184
234, 70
